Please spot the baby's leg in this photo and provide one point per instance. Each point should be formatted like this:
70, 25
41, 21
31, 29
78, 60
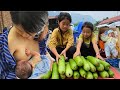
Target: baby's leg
114, 53
107, 52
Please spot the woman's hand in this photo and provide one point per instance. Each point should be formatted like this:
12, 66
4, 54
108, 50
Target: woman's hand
63, 53
57, 57
76, 54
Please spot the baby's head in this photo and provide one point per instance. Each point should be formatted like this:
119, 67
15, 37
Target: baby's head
111, 33
101, 31
23, 69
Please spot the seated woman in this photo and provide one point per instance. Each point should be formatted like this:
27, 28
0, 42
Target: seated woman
29, 28
87, 43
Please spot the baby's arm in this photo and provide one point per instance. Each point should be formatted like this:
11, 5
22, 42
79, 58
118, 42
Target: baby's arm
35, 57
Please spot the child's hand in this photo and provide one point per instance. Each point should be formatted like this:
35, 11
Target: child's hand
57, 58
35, 60
63, 53
76, 54
99, 56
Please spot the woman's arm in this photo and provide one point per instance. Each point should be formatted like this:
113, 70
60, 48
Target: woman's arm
79, 43
53, 43
78, 46
54, 51
94, 42
70, 41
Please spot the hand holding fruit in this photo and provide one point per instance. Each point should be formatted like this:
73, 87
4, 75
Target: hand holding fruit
99, 56
76, 54
63, 53
57, 57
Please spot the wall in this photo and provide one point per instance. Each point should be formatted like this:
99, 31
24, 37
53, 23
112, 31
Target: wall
5, 19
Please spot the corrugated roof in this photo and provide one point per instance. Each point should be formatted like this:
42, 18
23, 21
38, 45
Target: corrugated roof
114, 19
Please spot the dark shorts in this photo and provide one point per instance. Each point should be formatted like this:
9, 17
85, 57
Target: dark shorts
69, 52
87, 51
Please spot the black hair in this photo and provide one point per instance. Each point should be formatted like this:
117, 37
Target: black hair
31, 21
102, 30
64, 15
23, 69
88, 25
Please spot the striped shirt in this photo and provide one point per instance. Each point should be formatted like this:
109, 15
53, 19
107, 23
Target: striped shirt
7, 61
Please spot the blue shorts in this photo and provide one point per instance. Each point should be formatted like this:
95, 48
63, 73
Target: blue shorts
41, 68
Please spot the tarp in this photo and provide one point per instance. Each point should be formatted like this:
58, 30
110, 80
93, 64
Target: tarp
77, 30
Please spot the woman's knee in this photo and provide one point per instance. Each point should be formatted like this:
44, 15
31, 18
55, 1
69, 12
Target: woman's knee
72, 49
